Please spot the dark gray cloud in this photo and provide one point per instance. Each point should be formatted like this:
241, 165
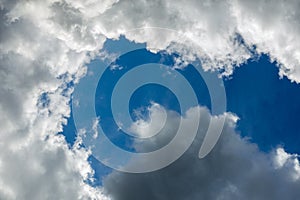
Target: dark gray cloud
235, 169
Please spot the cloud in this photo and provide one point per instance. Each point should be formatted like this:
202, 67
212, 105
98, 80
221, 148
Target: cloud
235, 169
38, 61
45, 45
222, 33
145, 128
272, 26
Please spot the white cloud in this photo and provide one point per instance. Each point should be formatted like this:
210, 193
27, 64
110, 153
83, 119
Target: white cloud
95, 127
150, 127
40, 56
211, 29
273, 26
235, 169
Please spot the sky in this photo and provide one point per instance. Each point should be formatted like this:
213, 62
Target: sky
267, 105
254, 92
120, 99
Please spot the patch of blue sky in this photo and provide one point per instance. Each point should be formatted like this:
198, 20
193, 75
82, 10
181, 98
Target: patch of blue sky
268, 107
138, 58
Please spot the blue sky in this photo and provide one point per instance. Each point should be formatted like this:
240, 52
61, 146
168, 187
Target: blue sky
46, 48
266, 105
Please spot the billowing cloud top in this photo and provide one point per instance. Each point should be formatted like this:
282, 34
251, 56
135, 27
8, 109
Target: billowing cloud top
46, 44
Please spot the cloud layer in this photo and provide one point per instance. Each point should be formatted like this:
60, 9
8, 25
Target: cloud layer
38, 61
222, 33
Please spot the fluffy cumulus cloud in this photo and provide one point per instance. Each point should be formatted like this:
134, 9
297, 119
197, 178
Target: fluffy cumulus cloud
235, 169
222, 33
44, 46
41, 52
